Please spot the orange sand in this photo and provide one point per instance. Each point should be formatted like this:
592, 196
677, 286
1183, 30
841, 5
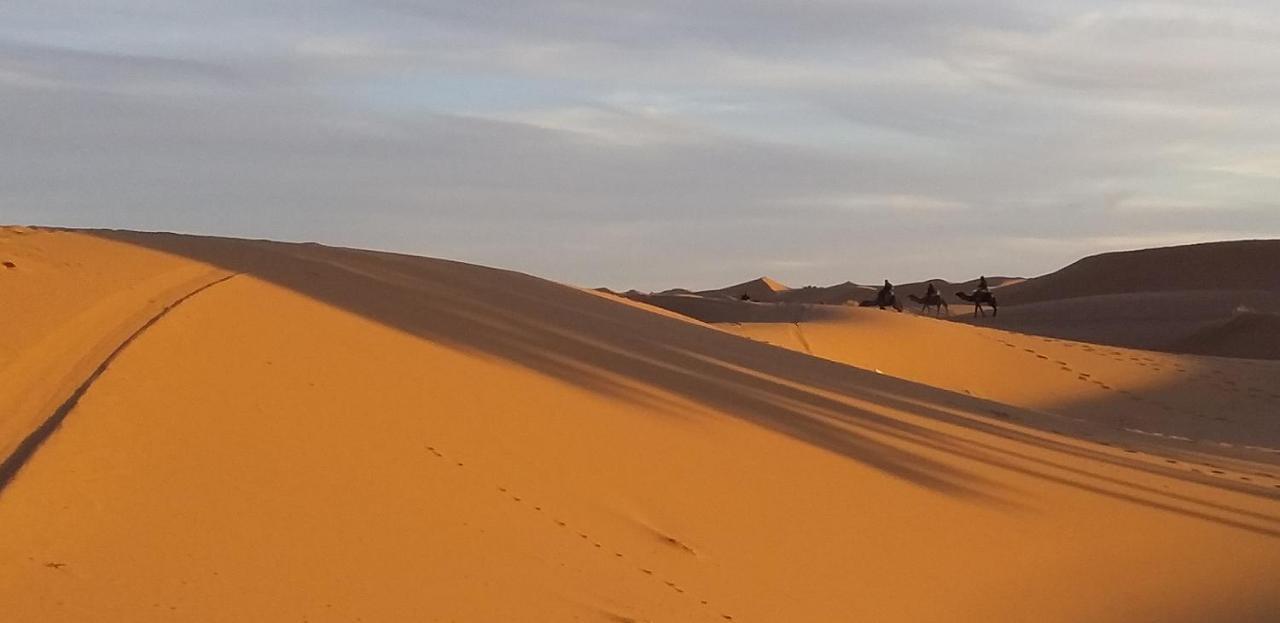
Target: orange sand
340, 435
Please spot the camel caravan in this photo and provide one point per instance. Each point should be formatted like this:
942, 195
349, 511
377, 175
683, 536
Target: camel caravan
981, 296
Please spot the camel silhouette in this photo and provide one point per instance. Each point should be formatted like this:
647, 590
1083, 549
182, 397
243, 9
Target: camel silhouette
934, 300
979, 298
883, 302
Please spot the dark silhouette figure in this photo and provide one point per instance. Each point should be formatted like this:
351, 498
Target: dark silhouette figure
981, 296
745, 297
884, 298
932, 298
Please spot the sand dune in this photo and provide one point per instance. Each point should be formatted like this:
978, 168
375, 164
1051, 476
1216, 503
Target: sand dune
759, 289
265, 431
1248, 334
1157, 299
1154, 298
1234, 266
765, 289
1150, 320
948, 289
1183, 404
838, 294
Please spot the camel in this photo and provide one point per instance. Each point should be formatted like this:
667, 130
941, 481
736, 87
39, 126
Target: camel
978, 298
881, 302
934, 300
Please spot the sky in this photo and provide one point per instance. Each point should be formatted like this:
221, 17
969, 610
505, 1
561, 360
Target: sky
653, 144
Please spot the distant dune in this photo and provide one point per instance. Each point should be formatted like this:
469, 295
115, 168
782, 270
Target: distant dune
1154, 299
207, 429
761, 289
1248, 334
1151, 320
1172, 396
1249, 265
766, 290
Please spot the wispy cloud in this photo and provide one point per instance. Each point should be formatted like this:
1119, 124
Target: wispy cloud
667, 141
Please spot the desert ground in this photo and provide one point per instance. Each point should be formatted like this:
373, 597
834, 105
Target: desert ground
209, 429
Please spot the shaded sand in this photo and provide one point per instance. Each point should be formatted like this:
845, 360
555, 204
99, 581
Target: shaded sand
1184, 403
765, 289
1149, 320
1158, 299
1248, 334
760, 289
1234, 266
338, 435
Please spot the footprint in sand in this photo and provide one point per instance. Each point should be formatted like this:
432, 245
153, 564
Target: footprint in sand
584, 536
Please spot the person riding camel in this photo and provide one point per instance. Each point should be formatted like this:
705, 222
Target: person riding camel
930, 292
981, 296
885, 297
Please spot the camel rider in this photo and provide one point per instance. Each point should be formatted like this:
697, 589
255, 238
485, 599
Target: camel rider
885, 297
930, 292
982, 286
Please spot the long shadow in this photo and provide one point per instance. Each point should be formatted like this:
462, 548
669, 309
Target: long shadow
593, 342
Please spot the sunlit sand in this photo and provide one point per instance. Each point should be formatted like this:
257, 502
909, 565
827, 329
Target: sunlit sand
212, 429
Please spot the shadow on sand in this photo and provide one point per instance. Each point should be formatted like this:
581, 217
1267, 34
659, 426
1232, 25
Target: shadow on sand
600, 344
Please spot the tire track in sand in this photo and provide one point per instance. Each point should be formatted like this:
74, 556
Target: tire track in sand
800, 336
27, 448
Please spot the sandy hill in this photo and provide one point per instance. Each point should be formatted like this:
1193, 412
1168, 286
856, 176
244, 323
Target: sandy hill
1154, 298
761, 289
1200, 402
1248, 334
1248, 265
948, 289
1150, 320
213, 429
769, 291
838, 294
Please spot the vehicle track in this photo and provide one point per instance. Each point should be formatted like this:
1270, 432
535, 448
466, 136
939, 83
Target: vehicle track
24, 451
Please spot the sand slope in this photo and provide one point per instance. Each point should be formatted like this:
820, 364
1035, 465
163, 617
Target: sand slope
1249, 334
1184, 404
1237, 265
1152, 299
1150, 320
339, 435
759, 289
